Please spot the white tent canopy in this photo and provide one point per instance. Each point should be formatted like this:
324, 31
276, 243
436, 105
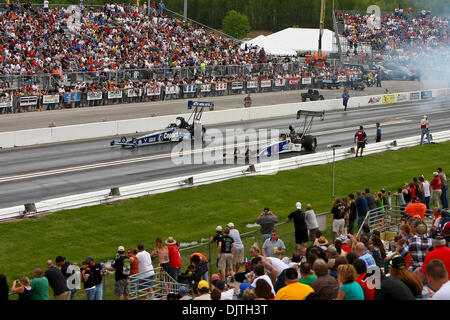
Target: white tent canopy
288, 41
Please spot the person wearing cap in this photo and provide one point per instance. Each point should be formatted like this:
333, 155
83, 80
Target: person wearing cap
301, 230
203, 291
425, 130
97, 274
244, 286
67, 271
399, 270
436, 190
87, 278
238, 256
227, 291
121, 284
183, 291
217, 238
311, 222
174, 257
416, 209
417, 246
444, 199
293, 290
437, 278
267, 222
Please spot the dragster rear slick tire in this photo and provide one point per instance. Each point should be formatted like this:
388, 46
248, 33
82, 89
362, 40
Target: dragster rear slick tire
309, 143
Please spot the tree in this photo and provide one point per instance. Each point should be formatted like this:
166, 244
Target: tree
236, 24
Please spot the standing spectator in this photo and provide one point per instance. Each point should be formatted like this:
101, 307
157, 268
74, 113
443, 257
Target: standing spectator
267, 222
361, 251
217, 238
162, 252
425, 129
87, 277
67, 271
426, 191
444, 183
352, 213
134, 261
301, 230
378, 133
293, 290
437, 278
226, 250
147, 273
362, 208
39, 286
57, 281
97, 274
370, 199
22, 288
121, 274
361, 270
45, 5
174, 257
398, 270
436, 190
379, 73
349, 289
311, 222
238, 257
417, 246
416, 209
273, 247
338, 211
345, 98
4, 288
360, 140
325, 285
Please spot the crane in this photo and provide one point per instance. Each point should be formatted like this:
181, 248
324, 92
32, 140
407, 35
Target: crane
318, 57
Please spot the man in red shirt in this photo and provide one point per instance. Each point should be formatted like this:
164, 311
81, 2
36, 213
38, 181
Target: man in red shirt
441, 252
416, 208
361, 269
360, 140
436, 190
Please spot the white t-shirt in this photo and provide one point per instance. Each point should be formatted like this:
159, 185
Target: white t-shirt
237, 239
443, 293
265, 278
227, 295
311, 220
206, 296
278, 264
426, 188
145, 265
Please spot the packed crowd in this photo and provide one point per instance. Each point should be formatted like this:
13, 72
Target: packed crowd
412, 264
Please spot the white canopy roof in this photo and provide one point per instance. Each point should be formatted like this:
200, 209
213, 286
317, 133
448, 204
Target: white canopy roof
291, 40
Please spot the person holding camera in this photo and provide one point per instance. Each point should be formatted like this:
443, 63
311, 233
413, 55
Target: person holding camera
22, 288
267, 222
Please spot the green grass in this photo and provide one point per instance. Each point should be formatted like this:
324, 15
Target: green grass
192, 214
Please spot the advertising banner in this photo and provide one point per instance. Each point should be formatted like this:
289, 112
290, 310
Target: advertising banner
237, 85
306, 81
342, 78
280, 82
94, 95
401, 97
389, 98
5, 102
414, 96
206, 87
117, 94
172, 90
427, 94
190, 88
374, 100
153, 91
132, 93
294, 81
266, 83
50, 99
221, 86
252, 84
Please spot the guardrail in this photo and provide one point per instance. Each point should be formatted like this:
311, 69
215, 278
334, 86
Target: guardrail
138, 126
155, 187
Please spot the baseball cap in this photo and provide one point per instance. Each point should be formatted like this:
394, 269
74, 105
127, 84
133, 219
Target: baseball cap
183, 289
332, 250
230, 225
298, 205
435, 174
89, 259
120, 249
446, 227
398, 262
203, 284
219, 228
244, 286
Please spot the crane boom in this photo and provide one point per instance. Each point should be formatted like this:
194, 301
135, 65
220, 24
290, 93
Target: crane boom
322, 22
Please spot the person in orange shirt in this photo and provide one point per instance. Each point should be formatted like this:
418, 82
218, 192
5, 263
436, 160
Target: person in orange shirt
416, 208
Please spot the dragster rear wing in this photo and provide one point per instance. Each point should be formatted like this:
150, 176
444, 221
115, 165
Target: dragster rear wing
307, 113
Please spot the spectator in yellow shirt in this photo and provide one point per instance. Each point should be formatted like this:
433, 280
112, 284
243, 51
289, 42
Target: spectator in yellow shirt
293, 290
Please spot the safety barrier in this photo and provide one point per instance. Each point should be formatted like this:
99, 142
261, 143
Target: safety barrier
135, 126
155, 187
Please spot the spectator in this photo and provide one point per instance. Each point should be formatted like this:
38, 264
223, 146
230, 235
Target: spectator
370, 199
97, 273
301, 230
121, 274
263, 291
338, 211
183, 291
39, 286
417, 246
226, 250
441, 252
361, 270
416, 209
267, 222
293, 290
322, 242
227, 292
436, 190
349, 289
351, 257
444, 188
365, 231
425, 129
273, 247
437, 278
146, 272
134, 261
201, 269
361, 251
392, 288
57, 281
260, 274
376, 247
4, 288
362, 208
307, 276
203, 291
67, 271
174, 257
426, 191
238, 256
216, 294
352, 213
162, 252
22, 288
360, 140
87, 278
399, 271
276, 268
325, 285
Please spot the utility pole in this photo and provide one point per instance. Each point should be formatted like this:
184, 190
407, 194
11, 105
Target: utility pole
185, 10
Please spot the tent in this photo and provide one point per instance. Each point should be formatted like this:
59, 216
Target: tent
288, 41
